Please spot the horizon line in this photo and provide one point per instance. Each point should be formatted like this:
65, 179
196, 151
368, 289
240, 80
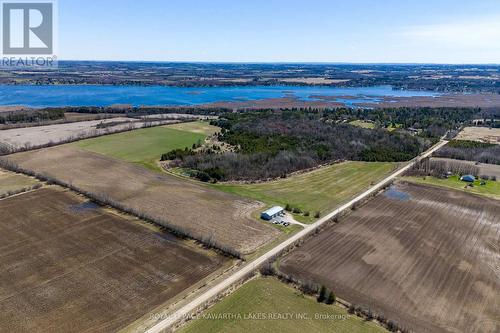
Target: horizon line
283, 62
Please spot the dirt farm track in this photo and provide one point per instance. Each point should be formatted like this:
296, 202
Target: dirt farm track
68, 265
426, 257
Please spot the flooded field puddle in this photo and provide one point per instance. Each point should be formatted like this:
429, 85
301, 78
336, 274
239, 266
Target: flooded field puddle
395, 194
84, 207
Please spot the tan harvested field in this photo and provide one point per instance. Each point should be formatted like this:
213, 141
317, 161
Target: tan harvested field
482, 134
77, 116
69, 117
38, 136
203, 211
425, 257
71, 266
13, 108
13, 182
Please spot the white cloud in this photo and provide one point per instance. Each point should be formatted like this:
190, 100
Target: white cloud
474, 32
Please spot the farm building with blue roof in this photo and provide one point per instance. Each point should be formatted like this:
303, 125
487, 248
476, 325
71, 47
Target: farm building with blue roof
271, 213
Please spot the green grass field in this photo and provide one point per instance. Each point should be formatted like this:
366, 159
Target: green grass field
392, 128
269, 296
491, 189
320, 190
144, 146
363, 124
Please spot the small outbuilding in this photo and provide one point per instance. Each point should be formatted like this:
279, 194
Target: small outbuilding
468, 178
271, 213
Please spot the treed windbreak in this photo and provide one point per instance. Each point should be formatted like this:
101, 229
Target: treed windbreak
274, 144
471, 151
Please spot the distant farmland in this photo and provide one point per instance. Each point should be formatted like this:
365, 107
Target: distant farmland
202, 212
38, 136
425, 257
145, 146
71, 266
319, 190
481, 134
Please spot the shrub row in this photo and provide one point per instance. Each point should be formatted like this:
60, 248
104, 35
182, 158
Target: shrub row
21, 190
296, 210
104, 199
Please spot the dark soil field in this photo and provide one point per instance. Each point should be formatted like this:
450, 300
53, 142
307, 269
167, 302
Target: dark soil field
202, 211
68, 265
425, 257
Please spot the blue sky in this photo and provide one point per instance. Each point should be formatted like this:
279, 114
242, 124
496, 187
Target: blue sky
428, 31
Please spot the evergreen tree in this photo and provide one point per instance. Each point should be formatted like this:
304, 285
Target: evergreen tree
331, 298
322, 295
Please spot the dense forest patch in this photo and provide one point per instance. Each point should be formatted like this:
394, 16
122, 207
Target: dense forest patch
272, 144
471, 151
31, 116
432, 122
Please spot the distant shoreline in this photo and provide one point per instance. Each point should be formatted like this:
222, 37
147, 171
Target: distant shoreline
40, 96
484, 100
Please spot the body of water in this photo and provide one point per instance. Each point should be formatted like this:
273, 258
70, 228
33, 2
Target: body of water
393, 193
95, 95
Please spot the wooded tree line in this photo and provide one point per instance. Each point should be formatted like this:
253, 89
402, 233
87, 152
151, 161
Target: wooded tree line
46, 114
471, 151
434, 122
134, 111
273, 144
31, 116
440, 168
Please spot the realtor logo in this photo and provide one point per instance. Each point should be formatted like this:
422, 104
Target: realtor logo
28, 33
28, 28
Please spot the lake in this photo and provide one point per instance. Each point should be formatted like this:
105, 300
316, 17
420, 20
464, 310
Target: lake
96, 95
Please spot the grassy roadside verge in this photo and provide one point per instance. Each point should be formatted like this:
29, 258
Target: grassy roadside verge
290, 311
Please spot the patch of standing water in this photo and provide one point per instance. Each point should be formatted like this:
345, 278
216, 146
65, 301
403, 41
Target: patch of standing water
87, 206
393, 193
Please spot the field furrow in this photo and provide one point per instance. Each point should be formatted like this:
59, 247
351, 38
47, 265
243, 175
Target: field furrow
424, 257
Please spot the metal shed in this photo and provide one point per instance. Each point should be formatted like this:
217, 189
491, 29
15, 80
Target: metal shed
271, 213
468, 178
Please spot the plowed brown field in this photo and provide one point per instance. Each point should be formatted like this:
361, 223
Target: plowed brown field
203, 211
70, 266
425, 257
